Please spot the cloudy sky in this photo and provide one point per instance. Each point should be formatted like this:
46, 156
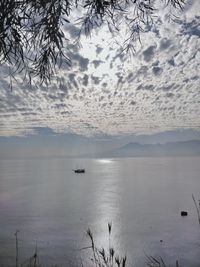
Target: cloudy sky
152, 95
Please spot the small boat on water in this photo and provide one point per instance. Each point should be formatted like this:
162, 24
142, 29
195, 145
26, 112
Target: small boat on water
79, 171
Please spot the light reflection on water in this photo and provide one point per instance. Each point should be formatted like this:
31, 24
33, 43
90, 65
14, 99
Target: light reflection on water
142, 197
105, 161
106, 202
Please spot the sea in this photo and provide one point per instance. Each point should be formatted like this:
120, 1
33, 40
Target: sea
51, 209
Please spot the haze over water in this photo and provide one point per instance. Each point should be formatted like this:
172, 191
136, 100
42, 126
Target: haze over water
142, 197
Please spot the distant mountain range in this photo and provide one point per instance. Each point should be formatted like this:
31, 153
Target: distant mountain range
185, 148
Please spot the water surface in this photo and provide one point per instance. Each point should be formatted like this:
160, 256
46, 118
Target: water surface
142, 197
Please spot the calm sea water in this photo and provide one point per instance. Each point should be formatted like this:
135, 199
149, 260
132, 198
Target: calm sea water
142, 197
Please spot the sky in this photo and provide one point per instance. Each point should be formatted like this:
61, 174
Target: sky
108, 98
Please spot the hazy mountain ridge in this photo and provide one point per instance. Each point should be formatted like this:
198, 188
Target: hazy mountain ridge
183, 148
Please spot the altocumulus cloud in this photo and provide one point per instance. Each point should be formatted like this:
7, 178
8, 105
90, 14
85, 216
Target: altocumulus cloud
155, 90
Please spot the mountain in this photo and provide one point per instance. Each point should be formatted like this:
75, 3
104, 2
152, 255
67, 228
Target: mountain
186, 148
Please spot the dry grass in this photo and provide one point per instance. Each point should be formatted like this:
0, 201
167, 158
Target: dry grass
158, 262
102, 257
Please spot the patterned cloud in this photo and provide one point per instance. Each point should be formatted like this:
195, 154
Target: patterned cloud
107, 92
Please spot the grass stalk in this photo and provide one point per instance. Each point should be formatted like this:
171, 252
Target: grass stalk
197, 206
102, 257
17, 249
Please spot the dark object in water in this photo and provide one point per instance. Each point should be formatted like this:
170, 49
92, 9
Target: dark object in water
184, 213
79, 171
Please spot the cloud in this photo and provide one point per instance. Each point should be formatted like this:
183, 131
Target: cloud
97, 63
82, 61
164, 43
98, 50
192, 28
109, 93
149, 53
157, 70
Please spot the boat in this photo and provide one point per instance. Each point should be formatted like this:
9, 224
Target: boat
79, 171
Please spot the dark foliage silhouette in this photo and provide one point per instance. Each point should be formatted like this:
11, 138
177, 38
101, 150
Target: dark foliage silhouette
32, 36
